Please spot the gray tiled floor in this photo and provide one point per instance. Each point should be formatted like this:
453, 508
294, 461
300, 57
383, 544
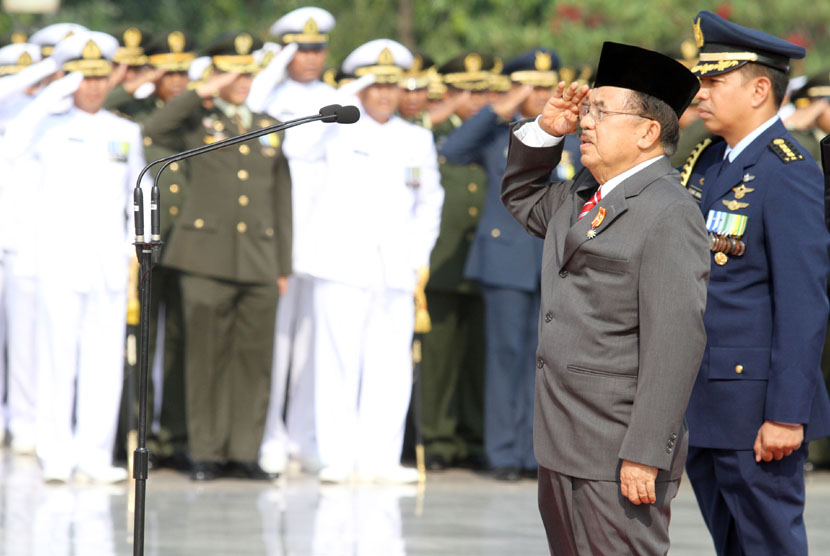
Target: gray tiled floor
458, 513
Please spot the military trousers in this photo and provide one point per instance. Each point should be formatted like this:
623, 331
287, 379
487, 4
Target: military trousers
21, 367
229, 344
452, 377
512, 331
80, 346
165, 389
292, 376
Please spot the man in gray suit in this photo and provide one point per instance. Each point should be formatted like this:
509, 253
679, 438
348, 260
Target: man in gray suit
624, 278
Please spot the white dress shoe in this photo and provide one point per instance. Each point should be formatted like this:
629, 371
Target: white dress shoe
56, 475
335, 475
274, 463
23, 446
396, 474
103, 475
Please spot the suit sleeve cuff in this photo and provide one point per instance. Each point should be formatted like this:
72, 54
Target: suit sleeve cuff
532, 135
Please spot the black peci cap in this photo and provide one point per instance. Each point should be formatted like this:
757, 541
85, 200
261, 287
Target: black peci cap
646, 71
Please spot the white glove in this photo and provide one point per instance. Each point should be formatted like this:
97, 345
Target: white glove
268, 79
20, 132
29, 76
350, 90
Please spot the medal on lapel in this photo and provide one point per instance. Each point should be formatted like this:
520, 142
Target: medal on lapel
596, 222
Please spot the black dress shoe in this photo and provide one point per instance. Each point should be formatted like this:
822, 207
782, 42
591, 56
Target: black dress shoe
248, 470
531, 473
205, 471
436, 462
506, 473
474, 462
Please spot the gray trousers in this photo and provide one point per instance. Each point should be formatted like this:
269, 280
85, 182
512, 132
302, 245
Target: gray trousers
588, 518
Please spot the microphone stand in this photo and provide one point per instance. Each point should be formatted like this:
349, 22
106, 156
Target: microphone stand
149, 253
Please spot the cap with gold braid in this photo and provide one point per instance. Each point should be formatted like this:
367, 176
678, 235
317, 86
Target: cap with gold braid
726, 46
132, 50
818, 86
420, 73
384, 58
91, 53
51, 35
234, 52
172, 51
470, 71
15, 57
308, 27
538, 67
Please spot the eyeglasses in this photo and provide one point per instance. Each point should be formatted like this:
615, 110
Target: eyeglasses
597, 113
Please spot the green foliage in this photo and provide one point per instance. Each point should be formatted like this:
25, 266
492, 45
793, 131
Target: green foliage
442, 28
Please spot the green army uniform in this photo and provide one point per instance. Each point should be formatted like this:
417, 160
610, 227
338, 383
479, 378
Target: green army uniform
173, 52
690, 137
231, 242
453, 352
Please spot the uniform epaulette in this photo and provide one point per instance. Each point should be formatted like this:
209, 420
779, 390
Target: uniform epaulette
121, 114
785, 150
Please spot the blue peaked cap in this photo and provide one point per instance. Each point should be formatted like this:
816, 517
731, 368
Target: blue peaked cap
726, 46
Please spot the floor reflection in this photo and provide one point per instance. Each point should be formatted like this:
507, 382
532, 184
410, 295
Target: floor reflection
461, 512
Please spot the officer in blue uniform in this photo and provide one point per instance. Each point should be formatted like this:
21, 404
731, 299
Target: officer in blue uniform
759, 396
506, 262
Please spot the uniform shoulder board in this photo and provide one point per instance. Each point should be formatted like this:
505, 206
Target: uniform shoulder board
121, 114
689, 165
785, 150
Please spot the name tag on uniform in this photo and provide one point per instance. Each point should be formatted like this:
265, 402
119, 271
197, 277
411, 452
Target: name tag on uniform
119, 151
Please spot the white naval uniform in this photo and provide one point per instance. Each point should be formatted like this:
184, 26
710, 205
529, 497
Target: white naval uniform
88, 165
377, 220
293, 343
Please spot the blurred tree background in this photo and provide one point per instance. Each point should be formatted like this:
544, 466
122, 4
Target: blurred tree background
442, 28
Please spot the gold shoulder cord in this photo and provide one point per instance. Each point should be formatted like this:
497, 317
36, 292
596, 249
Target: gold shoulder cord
689, 165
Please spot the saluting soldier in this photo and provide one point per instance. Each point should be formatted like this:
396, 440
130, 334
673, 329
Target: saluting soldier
289, 88
168, 58
507, 264
809, 124
453, 352
232, 246
378, 217
17, 284
759, 396
83, 162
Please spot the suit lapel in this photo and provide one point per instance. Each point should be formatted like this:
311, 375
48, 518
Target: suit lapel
615, 205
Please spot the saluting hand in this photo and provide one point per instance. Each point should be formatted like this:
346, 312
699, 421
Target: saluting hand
506, 107
777, 440
637, 482
561, 113
215, 82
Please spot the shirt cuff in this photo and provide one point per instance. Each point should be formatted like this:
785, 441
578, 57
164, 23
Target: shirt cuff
532, 135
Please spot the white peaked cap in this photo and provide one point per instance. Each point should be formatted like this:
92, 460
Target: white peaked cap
383, 57
55, 33
15, 57
303, 25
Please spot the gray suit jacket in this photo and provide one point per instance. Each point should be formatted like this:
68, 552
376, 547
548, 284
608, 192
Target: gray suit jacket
621, 325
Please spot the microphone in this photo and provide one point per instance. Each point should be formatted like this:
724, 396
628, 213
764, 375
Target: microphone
348, 115
330, 112
333, 113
